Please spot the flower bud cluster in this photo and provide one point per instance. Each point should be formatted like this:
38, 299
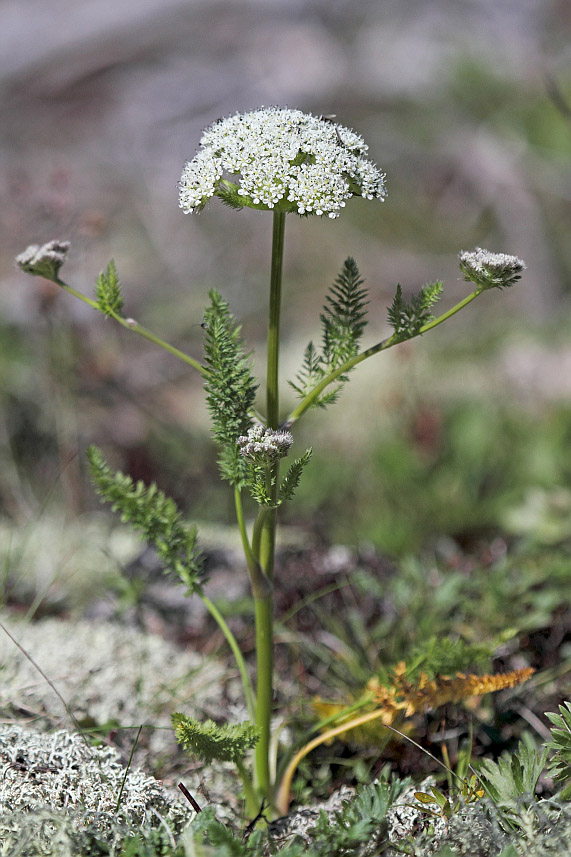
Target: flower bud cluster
265, 446
286, 159
490, 270
44, 261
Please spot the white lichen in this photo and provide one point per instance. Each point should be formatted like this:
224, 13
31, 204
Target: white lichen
106, 673
284, 160
70, 787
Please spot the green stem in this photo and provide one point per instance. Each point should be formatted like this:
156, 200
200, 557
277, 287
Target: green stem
231, 639
252, 802
264, 669
261, 586
131, 324
265, 527
383, 345
272, 395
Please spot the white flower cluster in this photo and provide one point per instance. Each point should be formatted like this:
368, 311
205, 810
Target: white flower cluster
264, 446
490, 270
44, 261
286, 159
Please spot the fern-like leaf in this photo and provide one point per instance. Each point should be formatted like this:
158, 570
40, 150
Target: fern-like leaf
559, 765
408, 317
310, 373
343, 317
108, 291
291, 480
154, 516
207, 741
343, 321
230, 387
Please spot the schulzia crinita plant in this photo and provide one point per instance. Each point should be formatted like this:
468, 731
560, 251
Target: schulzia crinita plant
283, 162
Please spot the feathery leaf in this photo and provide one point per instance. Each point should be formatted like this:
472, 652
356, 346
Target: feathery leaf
291, 480
108, 291
154, 515
230, 387
408, 317
207, 741
343, 322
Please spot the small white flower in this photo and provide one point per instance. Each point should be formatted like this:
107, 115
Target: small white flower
283, 159
490, 270
265, 446
44, 261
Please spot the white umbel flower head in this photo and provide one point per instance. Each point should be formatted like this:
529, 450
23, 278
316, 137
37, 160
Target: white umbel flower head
282, 159
265, 446
490, 270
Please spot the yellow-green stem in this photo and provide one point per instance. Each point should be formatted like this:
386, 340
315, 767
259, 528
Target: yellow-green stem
264, 669
264, 531
314, 394
131, 324
272, 393
231, 639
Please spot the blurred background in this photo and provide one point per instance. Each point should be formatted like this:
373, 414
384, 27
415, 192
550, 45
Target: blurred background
466, 104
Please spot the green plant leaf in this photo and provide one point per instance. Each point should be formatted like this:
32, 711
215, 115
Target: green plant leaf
108, 291
408, 317
230, 387
208, 741
559, 765
291, 480
154, 516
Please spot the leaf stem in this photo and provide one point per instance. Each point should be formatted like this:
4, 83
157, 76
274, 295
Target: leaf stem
383, 345
131, 324
231, 639
265, 526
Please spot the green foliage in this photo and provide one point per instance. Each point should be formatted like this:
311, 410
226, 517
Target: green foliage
360, 826
154, 516
448, 805
230, 387
511, 781
291, 480
153, 843
354, 831
343, 322
108, 291
408, 317
560, 764
208, 741
343, 317
440, 655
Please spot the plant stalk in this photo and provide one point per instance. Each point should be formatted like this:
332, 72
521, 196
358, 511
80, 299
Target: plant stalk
265, 531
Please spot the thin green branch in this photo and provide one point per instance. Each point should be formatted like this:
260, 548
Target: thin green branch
383, 345
131, 324
231, 639
261, 586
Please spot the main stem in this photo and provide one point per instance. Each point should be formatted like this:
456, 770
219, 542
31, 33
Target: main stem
264, 546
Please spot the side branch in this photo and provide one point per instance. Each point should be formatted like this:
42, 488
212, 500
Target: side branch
131, 324
383, 345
